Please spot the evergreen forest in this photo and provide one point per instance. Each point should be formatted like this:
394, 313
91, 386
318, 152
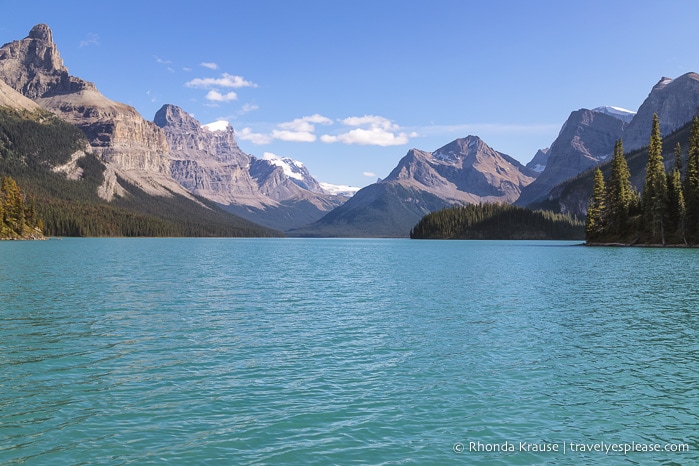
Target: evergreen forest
666, 212
497, 221
18, 218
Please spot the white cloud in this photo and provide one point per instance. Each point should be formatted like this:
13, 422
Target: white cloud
226, 80
209, 65
246, 134
186, 69
369, 174
370, 130
293, 136
216, 96
298, 130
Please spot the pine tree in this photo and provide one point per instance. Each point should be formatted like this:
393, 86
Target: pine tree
655, 189
675, 196
620, 192
691, 184
596, 210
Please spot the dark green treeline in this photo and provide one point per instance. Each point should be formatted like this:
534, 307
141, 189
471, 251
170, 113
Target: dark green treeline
496, 221
667, 210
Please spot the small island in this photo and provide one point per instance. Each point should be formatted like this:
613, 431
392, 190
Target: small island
666, 213
18, 219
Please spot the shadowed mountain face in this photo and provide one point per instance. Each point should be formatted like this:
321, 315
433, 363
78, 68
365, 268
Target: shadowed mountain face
465, 171
279, 193
586, 139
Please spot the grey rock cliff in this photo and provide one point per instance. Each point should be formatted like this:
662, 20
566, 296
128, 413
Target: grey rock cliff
586, 139
209, 163
676, 101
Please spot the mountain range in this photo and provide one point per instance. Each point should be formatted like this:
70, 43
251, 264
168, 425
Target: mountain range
174, 159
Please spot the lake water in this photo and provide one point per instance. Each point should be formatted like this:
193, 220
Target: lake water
346, 351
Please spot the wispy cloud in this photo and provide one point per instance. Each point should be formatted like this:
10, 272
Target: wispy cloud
369, 174
162, 61
247, 108
247, 134
226, 80
92, 39
370, 130
209, 65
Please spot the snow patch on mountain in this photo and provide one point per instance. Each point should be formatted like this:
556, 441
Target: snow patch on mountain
339, 189
616, 112
292, 168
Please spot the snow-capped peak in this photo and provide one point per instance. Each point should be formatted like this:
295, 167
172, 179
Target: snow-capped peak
220, 125
616, 112
292, 168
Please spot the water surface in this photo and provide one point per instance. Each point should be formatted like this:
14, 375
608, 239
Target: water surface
335, 351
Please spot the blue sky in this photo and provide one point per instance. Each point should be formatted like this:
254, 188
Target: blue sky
348, 87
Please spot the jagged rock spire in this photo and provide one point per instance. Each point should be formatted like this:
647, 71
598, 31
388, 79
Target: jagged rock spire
33, 67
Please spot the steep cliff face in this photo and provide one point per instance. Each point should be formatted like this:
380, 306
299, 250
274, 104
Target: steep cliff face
586, 139
675, 101
207, 161
133, 148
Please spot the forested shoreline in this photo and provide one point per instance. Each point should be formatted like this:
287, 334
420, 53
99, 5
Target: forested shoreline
497, 221
665, 213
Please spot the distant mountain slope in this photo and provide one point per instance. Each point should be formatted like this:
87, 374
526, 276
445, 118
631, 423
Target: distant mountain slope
586, 139
539, 161
276, 192
465, 171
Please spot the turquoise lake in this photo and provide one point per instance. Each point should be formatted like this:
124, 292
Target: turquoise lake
347, 351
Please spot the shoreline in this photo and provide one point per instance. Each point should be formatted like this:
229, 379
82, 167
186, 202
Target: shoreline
641, 245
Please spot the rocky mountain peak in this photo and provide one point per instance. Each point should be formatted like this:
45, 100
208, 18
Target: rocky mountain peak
459, 149
664, 81
675, 101
175, 118
41, 32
